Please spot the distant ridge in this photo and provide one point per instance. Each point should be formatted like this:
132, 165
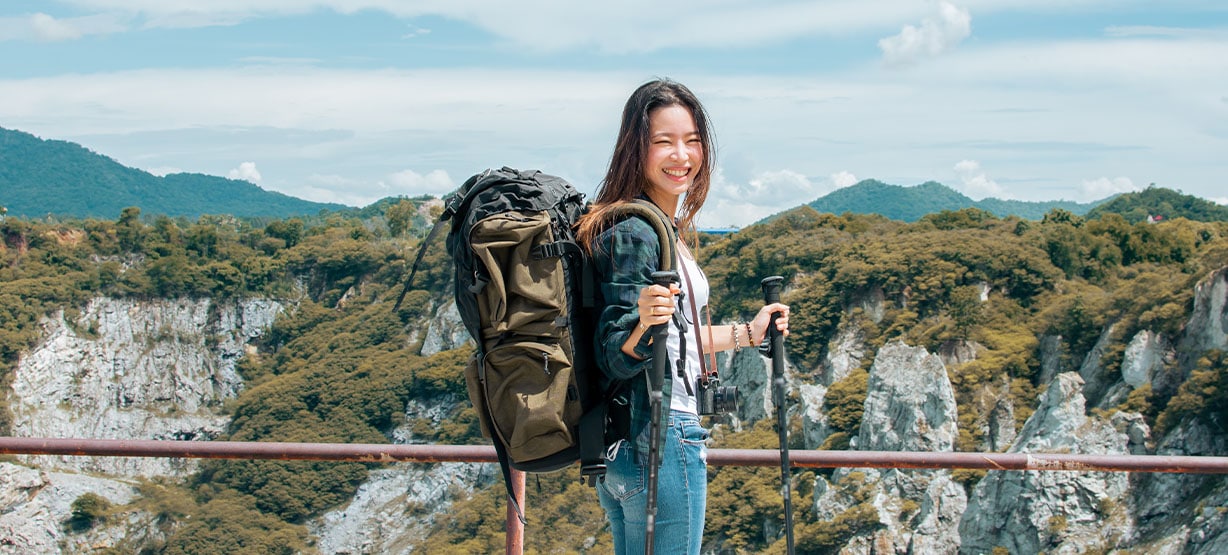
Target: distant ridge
1159, 203
41, 177
909, 204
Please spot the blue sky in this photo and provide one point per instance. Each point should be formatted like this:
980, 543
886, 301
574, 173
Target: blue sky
353, 100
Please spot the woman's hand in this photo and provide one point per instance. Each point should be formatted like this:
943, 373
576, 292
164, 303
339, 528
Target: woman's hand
656, 304
759, 326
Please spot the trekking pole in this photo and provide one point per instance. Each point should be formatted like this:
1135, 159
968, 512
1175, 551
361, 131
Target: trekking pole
771, 294
656, 381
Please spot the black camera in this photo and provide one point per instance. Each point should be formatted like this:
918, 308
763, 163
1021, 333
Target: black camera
713, 398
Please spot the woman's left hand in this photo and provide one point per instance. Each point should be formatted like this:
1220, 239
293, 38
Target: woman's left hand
759, 326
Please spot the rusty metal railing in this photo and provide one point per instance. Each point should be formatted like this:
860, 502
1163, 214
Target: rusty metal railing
387, 453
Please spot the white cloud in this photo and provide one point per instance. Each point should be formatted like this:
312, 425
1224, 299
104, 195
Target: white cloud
1100, 188
770, 192
415, 31
974, 183
42, 27
933, 37
246, 171
842, 179
436, 183
163, 171
553, 25
50, 29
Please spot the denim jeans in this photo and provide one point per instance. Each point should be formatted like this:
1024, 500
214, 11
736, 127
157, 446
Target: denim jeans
682, 492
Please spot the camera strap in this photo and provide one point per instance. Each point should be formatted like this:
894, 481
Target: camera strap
704, 374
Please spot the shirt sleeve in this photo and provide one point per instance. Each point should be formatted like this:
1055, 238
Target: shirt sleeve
625, 256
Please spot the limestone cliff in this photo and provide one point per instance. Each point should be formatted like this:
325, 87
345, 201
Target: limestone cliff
121, 368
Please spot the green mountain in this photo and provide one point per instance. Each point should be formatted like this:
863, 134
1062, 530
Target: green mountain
40, 177
909, 204
1163, 203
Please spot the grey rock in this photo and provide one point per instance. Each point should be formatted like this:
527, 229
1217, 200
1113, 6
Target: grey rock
909, 407
394, 510
36, 504
127, 369
1097, 379
1145, 356
1035, 511
1050, 357
446, 331
909, 402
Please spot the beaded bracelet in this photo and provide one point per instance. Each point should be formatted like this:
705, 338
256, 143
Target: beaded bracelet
733, 331
750, 337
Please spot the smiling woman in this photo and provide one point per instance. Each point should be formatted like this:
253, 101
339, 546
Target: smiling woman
663, 153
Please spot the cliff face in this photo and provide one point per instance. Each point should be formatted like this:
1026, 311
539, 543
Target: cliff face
121, 369
131, 369
162, 369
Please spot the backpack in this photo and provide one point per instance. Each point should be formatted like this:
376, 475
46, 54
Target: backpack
526, 294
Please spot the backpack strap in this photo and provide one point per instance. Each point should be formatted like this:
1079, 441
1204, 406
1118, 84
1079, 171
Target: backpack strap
592, 423
662, 224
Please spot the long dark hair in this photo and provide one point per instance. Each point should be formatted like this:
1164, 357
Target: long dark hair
625, 179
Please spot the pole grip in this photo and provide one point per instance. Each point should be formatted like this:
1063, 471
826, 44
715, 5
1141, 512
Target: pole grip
771, 294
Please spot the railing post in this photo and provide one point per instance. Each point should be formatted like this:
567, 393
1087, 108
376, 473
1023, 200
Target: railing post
515, 528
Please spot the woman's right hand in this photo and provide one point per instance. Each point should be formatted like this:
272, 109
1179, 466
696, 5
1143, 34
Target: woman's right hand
656, 304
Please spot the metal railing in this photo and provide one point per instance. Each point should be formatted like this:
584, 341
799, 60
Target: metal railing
387, 453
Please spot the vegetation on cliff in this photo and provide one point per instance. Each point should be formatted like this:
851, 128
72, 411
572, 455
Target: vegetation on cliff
341, 366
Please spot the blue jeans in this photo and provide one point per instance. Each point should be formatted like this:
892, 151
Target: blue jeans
682, 492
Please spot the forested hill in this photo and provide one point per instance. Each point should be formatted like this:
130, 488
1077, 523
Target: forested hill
40, 177
909, 204
1159, 203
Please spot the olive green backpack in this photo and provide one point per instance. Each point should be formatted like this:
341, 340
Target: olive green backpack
526, 294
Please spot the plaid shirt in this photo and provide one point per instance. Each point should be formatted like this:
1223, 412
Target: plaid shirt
625, 255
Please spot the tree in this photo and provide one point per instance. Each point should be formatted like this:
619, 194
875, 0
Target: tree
130, 230
400, 216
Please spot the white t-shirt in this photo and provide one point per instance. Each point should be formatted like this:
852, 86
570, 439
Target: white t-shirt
679, 399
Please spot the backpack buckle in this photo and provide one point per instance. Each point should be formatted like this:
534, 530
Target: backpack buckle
557, 249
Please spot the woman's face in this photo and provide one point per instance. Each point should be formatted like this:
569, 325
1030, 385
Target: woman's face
675, 154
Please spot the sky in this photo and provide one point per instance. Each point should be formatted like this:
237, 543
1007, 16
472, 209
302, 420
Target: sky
351, 101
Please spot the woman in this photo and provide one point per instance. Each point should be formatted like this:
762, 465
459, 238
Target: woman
664, 154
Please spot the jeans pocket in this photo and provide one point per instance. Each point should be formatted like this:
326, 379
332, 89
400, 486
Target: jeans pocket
694, 440
693, 434
624, 478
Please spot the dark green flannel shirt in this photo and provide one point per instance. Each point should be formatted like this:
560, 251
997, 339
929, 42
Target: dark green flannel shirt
625, 255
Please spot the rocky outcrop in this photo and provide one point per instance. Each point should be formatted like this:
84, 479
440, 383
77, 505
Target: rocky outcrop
1050, 355
751, 373
909, 407
1206, 329
396, 507
446, 331
1031, 512
909, 402
135, 369
1096, 378
1183, 513
1145, 356
35, 506
815, 426
844, 352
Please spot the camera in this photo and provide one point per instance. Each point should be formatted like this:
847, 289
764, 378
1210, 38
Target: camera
713, 398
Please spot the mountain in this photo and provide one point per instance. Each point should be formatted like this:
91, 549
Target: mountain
1163, 203
909, 204
40, 177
